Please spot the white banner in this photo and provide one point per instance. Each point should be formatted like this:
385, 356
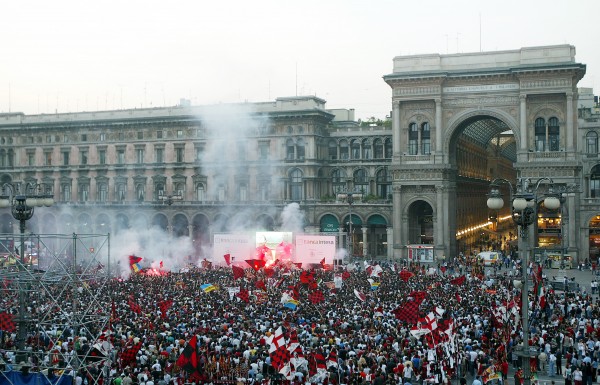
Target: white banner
239, 246
313, 248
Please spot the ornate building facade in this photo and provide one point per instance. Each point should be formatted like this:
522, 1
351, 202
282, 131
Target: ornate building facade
418, 185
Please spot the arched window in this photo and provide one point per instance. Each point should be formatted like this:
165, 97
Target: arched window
595, 182
361, 181
338, 180
332, 150
591, 142
378, 148
413, 139
425, 139
367, 149
553, 134
180, 189
289, 149
200, 192
384, 184
344, 149
65, 192
540, 135
296, 193
388, 148
355, 148
300, 149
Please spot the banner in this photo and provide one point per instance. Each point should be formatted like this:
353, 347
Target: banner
313, 248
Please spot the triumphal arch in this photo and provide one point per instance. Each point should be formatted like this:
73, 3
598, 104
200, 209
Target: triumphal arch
462, 120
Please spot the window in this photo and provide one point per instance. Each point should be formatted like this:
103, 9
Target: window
65, 156
139, 155
159, 155
121, 136
221, 193
121, 192
388, 148
425, 139
296, 185
355, 149
361, 181
66, 139
102, 192
84, 137
83, 156
344, 154
159, 191
378, 148
102, 156
332, 150
84, 192
300, 149
179, 158
553, 134
180, 189
159, 134
547, 137
241, 150
591, 141
289, 149
338, 181
65, 192
121, 156
367, 149
31, 158
48, 138
413, 139
264, 191
243, 191
48, 158
179, 134
140, 192
263, 150
595, 182
384, 184
11, 158
102, 137
140, 135
200, 192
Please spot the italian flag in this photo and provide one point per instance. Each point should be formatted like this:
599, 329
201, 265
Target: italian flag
541, 295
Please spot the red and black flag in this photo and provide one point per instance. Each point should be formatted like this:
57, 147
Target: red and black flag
130, 353
6, 322
408, 312
244, 295
164, 306
134, 306
238, 272
405, 275
188, 360
316, 297
458, 281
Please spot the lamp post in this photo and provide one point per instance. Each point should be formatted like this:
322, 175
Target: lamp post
349, 197
524, 213
22, 204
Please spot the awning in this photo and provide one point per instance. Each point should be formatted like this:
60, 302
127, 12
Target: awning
376, 220
355, 219
329, 224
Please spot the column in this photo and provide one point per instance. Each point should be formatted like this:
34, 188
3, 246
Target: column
572, 238
397, 220
439, 223
340, 237
569, 121
365, 247
390, 242
523, 120
396, 132
438, 126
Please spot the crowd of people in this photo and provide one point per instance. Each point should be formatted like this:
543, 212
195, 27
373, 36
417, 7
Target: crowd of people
351, 324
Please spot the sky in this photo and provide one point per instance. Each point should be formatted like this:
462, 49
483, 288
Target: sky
70, 55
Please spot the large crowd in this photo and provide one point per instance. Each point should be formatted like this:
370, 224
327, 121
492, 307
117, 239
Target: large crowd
466, 325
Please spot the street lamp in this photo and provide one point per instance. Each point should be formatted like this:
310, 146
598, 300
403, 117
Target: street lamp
22, 204
524, 213
349, 197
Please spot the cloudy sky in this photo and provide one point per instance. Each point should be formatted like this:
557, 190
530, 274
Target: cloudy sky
65, 56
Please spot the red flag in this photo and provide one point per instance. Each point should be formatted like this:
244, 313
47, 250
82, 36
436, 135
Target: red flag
256, 264
269, 272
129, 354
134, 259
188, 360
244, 295
206, 264
458, 281
238, 272
405, 275
345, 275
360, 295
408, 312
161, 264
307, 276
6, 322
298, 265
164, 306
261, 285
227, 259
322, 262
134, 306
316, 297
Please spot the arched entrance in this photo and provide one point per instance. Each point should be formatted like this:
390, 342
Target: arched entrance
180, 226
377, 235
594, 238
420, 223
356, 236
329, 224
200, 234
160, 221
121, 223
